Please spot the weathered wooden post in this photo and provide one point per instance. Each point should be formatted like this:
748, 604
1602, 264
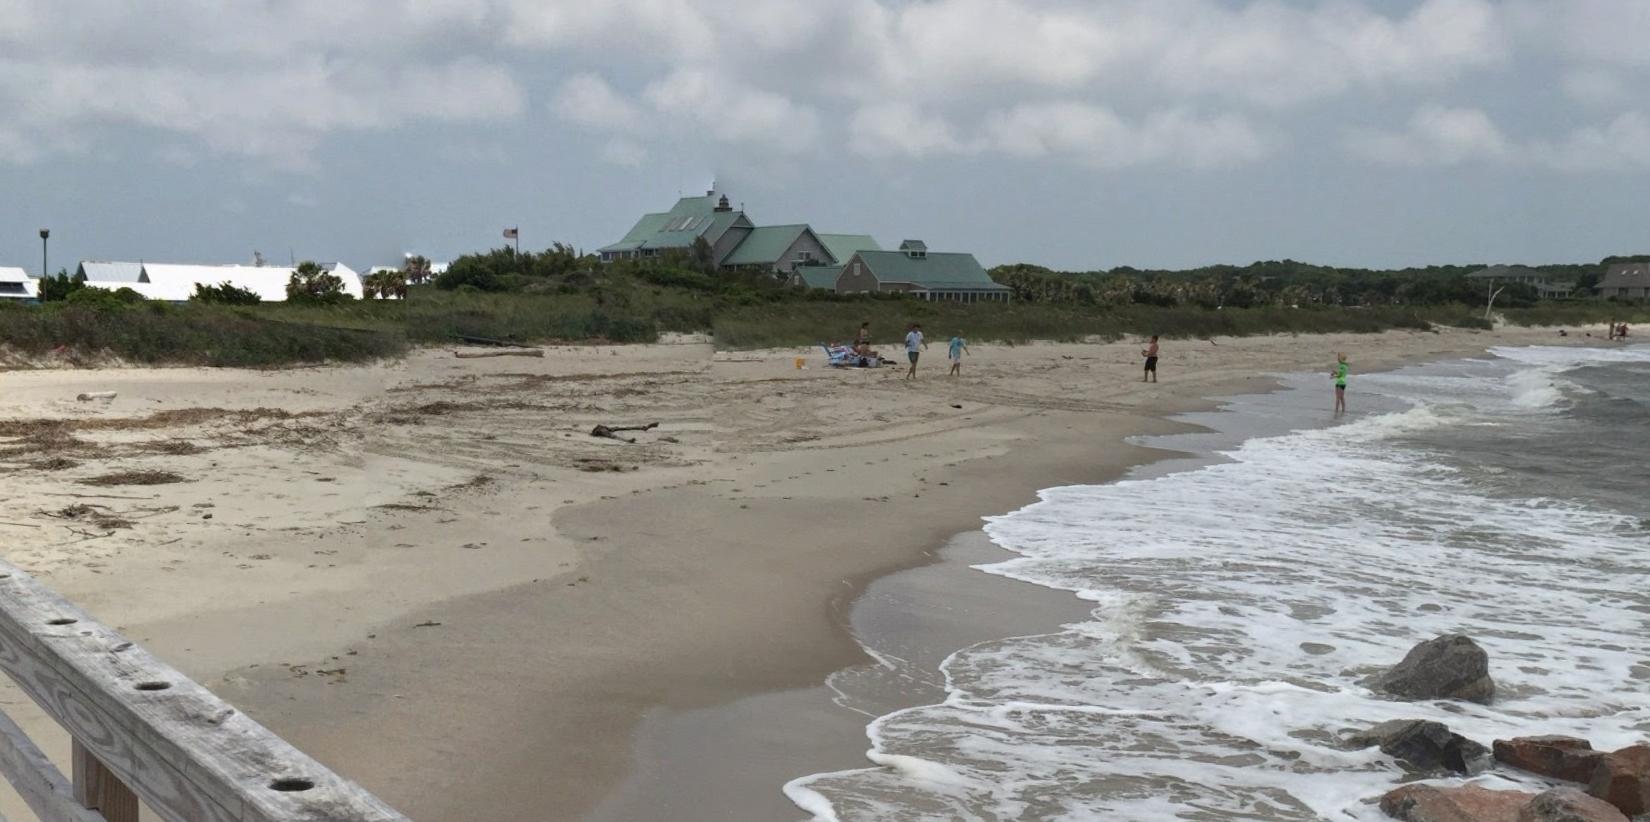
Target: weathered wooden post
142, 730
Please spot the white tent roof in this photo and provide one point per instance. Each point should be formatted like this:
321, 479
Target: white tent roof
11, 278
114, 272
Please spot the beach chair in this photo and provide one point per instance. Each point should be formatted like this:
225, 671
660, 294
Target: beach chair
838, 356
843, 356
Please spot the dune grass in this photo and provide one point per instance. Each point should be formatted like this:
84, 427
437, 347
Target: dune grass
277, 334
161, 334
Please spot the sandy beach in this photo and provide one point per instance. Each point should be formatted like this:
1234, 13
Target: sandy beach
430, 576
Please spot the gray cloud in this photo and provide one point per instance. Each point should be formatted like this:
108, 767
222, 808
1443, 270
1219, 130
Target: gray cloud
625, 99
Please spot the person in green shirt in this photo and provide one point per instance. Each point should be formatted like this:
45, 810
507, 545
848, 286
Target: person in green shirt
958, 347
1339, 373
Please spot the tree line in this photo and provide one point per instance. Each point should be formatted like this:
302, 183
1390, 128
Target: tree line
1282, 283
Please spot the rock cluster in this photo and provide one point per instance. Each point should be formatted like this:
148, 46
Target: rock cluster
1454, 667
1471, 803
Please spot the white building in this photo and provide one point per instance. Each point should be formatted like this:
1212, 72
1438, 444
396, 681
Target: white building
16, 284
176, 283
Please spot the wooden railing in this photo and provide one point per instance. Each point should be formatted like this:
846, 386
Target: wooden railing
143, 731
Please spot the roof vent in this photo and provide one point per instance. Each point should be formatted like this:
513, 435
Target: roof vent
722, 204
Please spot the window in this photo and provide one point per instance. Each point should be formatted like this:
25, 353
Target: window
804, 256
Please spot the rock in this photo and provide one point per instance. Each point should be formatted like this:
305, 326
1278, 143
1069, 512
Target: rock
1622, 778
1379, 734
1426, 746
1468, 803
1560, 757
1449, 667
1569, 805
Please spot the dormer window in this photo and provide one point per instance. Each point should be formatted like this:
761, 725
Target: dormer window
915, 249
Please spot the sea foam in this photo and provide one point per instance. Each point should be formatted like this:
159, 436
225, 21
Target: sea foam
1239, 606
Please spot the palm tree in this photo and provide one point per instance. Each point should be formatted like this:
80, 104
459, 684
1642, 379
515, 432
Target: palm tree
416, 269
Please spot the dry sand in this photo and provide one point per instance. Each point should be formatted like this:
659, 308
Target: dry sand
430, 577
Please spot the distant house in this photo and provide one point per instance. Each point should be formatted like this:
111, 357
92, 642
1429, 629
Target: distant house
915, 270
1547, 287
734, 241
1627, 281
843, 246
16, 284
692, 218
779, 249
169, 282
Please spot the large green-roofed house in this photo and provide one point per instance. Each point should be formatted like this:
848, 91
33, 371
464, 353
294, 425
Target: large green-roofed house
735, 242
676, 230
915, 270
845, 263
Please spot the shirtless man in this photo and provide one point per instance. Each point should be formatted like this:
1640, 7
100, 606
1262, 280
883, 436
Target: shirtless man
1150, 353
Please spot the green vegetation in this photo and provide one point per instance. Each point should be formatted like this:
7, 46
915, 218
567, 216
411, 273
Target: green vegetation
59, 286
189, 334
432, 316
559, 295
1279, 283
309, 285
224, 294
808, 323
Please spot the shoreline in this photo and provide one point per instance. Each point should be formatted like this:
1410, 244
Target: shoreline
584, 583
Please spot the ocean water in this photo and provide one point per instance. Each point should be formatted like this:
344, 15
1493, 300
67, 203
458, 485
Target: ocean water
1239, 598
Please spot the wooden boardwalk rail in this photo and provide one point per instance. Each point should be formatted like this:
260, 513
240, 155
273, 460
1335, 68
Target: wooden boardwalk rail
142, 730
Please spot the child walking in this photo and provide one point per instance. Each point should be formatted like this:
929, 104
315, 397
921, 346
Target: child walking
959, 346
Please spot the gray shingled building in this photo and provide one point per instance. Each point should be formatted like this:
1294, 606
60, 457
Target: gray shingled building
1625, 281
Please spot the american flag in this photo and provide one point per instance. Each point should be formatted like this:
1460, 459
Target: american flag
512, 233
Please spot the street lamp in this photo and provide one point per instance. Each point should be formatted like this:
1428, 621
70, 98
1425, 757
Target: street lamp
45, 233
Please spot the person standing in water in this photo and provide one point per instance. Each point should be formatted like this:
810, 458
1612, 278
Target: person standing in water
1339, 373
913, 348
1150, 353
959, 346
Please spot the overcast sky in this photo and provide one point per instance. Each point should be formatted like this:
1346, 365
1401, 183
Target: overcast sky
1078, 134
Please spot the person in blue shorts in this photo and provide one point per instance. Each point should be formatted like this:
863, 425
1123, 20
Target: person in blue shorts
959, 346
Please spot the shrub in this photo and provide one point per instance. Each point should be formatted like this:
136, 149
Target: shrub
473, 272
225, 294
60, 285
103, 299
310, 285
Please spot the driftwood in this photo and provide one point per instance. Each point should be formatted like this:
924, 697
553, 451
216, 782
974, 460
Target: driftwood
514, 352
473, 340
95, 395
612, 431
